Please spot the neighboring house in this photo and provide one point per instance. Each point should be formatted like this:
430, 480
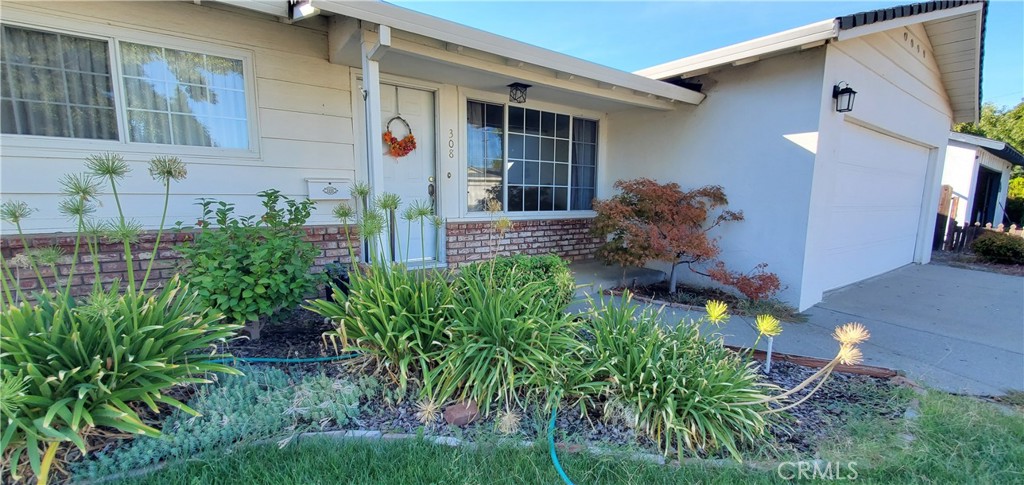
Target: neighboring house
252, 100
977, 171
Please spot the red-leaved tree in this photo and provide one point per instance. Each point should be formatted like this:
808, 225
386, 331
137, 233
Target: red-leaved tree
648, 221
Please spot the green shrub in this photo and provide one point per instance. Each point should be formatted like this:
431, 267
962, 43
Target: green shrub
678, 386
506, 343
263, 404
394, 314
71, 366
999, 247
550, 271
250, 268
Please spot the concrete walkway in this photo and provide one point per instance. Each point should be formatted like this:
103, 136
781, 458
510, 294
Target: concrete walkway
953, 329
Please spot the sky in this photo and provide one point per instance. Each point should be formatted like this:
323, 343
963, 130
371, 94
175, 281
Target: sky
635, 35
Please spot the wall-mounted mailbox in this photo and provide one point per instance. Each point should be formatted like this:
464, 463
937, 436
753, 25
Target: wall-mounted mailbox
329, 189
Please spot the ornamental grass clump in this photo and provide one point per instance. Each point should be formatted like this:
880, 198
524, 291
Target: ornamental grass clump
682, 387
394, 316
71, 367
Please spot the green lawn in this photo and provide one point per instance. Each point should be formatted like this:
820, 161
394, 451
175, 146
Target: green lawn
956, 440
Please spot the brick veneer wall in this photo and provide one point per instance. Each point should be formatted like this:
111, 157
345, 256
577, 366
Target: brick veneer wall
330, 239
475, 241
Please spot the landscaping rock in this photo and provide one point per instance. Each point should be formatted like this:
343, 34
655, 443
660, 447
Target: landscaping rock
903, 381
462, 413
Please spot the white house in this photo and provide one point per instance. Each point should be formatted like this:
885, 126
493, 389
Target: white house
297, 95
977, 170
837, 196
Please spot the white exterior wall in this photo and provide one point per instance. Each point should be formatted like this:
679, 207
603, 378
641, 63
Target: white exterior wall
900, 95
303, 114
755, 135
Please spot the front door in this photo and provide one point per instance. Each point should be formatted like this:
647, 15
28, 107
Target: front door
411, 176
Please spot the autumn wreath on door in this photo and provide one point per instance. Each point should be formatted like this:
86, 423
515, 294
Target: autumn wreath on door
399, 148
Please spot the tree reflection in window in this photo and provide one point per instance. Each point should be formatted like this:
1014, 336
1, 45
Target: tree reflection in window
184, 98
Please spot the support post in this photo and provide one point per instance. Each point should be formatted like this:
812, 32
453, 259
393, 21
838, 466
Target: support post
373, 46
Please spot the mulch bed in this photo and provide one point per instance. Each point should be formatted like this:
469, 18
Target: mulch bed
967, 260
685, 294
299, 335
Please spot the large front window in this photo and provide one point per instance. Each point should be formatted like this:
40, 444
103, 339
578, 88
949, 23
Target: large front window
62, 85
550, 163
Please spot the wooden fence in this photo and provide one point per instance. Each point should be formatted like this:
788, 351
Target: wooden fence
959, 238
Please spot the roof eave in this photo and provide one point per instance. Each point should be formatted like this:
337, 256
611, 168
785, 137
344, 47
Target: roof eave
807, 35
458, 34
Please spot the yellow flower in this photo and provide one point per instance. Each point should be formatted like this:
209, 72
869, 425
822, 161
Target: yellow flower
850, 355
851, 333
717, 312
768, 325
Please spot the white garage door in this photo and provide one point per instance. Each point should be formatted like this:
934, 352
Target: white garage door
875, 205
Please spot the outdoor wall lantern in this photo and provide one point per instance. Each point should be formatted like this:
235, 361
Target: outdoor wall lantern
517, 92
843, 94
301, 9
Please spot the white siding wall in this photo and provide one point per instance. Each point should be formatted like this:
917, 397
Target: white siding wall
755, 135
900, 95
304, 114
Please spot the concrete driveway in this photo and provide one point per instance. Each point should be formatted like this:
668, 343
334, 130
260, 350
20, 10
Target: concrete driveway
954, 329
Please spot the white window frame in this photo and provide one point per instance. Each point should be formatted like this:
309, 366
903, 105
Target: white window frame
114, 36
467, 95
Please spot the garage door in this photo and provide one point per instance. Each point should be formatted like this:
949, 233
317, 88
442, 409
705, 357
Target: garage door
875, 205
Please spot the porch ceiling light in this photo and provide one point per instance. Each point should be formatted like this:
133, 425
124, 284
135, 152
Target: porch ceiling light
844, 95
517, 92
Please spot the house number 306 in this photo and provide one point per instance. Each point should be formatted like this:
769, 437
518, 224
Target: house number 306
451, 143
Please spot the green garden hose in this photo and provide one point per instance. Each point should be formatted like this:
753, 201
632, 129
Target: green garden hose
551, 444
271, 360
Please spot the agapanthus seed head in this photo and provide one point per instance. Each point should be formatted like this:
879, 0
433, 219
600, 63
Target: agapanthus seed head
343, 212
388, 201
409, 213
850, 355
427, 411
81, 185
49, 255
110, 165
437, 221
503, 225
768, 325
20, 260
508, 422
15, 211
165, 169
76, 207
360, 190
372, 224
126, 231
493, 205
717, 312
852, 333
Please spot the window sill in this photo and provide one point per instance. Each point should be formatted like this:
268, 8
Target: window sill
12, 143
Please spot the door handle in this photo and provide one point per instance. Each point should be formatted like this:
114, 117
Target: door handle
430, 190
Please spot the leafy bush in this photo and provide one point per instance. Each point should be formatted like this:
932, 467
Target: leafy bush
68, 366
250, 268
550, 271
678, 386
999, 247
263, 404
393, 314
506, 344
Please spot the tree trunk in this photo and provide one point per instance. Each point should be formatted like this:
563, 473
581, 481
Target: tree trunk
254, 328
672, 279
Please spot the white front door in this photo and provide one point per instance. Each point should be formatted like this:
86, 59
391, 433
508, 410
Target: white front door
413, 176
